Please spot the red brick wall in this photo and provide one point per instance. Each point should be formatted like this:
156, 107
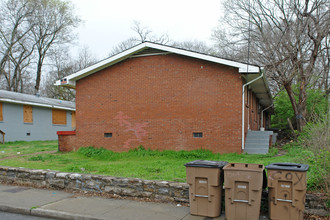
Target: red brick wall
66, 141
158, 102
252, 113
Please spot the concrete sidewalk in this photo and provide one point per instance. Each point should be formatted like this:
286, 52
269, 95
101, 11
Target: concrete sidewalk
63, 205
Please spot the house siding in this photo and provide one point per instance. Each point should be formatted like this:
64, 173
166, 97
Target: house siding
158, 102
41, 127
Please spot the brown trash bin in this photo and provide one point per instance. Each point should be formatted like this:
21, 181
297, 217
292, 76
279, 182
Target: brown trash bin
286, 190
205, 180
243, 187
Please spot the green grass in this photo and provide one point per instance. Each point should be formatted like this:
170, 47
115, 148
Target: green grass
23, 147
140, 162
137, 163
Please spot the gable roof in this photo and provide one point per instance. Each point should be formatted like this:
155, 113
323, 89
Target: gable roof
26, 99
149, 49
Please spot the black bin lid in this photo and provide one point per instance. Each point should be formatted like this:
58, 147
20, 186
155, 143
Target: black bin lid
206, 163
288, 166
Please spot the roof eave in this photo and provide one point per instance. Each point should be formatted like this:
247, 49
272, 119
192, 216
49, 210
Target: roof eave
261, 90
36, 104
70, 80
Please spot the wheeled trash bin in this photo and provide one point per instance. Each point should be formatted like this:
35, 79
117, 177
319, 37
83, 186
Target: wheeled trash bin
243, 187
205, 187
286, 190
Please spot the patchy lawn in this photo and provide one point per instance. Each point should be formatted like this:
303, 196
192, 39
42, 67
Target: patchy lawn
139, 163
18, 148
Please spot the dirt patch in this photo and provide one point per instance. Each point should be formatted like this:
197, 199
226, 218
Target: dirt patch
279, 145
315, 217
281, 152
22, 155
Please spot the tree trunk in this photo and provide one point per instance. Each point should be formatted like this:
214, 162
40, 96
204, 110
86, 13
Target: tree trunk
299, 109
302, 106
37, 86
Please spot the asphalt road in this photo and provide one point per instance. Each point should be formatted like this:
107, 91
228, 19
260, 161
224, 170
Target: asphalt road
13, 216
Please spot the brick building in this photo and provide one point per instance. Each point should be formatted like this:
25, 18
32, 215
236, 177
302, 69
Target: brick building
163, 97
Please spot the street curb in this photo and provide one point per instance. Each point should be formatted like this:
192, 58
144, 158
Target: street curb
23, 211
40, 212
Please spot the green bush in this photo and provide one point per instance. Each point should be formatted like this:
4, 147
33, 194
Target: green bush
315, 140
318, 177
316, 107
283, 110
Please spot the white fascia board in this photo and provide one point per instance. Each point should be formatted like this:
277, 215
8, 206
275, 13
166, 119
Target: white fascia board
105, 63
243, 68
37, 104
70, 81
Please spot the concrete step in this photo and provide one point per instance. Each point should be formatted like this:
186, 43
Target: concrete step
260, 132
257, 136
256, 150
257, 142
260, 140
256, 146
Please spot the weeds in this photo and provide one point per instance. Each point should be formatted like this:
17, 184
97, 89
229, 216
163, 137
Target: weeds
36, 158
108, 155
314, 145
97, 153
152, 164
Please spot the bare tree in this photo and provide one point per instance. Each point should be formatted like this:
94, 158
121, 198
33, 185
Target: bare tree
196, 46
286, 37
55, 22
63, 66
144, 34
324, 66
15, 46
28, 30
21, 58
124, 45
85, 58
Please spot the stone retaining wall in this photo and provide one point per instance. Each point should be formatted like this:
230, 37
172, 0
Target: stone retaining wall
163, 191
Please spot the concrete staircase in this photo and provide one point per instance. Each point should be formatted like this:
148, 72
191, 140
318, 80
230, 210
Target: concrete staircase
257, 142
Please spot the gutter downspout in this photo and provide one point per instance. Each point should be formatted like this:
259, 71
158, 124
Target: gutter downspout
262, 116
243, 105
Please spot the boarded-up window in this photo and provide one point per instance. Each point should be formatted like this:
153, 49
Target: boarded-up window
1, 114
59, 117
27, 114
73, 119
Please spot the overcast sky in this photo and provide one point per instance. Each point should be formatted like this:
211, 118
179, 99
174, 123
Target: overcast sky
108, 22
